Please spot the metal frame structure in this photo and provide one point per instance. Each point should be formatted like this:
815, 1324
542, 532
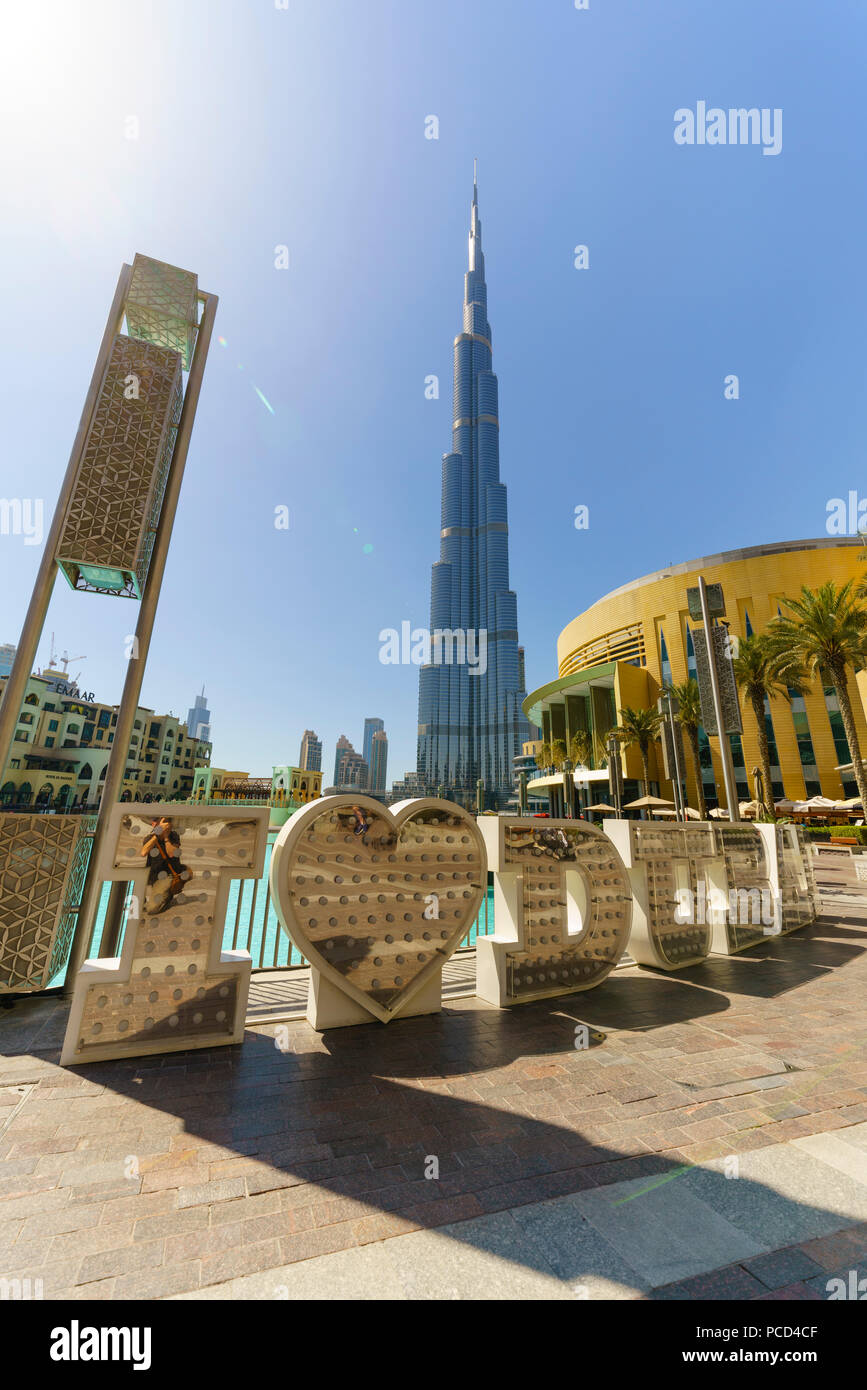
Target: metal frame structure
34, 621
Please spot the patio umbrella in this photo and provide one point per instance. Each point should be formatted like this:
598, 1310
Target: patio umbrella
690, 813
784, 804
719, 813
645, 802
751, 808
849, 805
603, 807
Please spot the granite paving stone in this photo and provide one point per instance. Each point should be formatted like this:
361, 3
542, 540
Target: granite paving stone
319, 1153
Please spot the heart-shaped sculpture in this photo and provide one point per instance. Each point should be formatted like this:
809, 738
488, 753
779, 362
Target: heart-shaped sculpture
377, 899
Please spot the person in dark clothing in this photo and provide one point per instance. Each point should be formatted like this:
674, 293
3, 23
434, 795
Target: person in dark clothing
167, 876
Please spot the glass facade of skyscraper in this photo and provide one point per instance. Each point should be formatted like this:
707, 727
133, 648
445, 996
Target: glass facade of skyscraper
471, 724
310, 758
371, 727
378, 761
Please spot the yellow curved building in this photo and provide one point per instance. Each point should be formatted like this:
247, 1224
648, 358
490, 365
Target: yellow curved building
627, 645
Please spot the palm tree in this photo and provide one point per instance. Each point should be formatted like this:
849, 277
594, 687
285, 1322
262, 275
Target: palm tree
638, 726
688, 716
861, 590
825, 633
764, 671
543, 756
558, 754
581, 747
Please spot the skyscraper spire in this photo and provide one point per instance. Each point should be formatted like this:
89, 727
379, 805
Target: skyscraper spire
471, 724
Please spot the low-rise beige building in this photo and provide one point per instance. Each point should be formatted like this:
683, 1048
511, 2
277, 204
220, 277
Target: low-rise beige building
63, 741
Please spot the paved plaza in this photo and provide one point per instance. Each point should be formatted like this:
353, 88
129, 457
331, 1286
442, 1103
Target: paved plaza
711, 1143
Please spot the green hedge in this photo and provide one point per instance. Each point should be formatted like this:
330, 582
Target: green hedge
836, 832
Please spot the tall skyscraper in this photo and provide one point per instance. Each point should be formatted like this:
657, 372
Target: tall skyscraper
199, 718
310, 759
470, 721
378, 760
371, 726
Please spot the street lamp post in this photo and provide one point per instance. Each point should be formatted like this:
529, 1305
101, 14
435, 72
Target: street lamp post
678, 792
28, 642
135, 667
724, 747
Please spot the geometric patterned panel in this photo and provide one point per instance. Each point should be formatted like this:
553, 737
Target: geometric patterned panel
36, 860
173, 986
161, 306
115, 505
73, 897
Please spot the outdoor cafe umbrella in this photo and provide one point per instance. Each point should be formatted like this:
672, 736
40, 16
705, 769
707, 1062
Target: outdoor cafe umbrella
603, 807
751, 808
645, 802
691, 814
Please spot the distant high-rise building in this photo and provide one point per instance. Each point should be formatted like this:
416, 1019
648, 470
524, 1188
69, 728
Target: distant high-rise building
470, 718
371, 727
199, 718
7, 657
378, 761
311, 752
350, 769
408, 785
344, 747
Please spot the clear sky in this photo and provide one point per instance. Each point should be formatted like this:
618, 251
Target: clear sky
305, 127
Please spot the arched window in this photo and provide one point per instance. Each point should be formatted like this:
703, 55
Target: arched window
31, 699
86, 773
43, 796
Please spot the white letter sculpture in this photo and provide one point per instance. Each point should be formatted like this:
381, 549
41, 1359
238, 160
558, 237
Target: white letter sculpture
173, 986
562, 905
377, 900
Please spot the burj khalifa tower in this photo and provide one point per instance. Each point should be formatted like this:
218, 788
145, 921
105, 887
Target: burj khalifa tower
470, 721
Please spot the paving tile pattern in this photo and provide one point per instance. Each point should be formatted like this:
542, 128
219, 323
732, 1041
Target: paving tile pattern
208, 1171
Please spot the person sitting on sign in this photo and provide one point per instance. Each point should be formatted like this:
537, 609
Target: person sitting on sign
166, 874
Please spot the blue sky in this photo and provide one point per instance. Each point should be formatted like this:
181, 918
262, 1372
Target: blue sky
306, 127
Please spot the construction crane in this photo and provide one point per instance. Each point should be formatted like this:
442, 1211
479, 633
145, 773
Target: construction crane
65, 660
